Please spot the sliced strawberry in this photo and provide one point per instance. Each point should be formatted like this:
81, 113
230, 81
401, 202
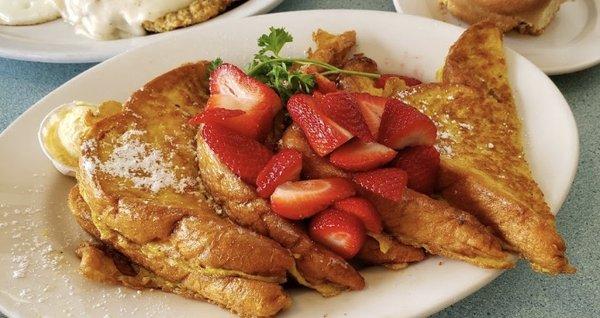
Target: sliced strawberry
362, 209
215, 115
341, 232
388, 183
372, 108
410, 81
301, 199
324, 85
283, 167
360, 156
231, 88
402, 126
421, 164
323, 134
343, 108
245, 156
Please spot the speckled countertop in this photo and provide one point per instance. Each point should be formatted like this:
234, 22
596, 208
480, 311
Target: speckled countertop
517, 293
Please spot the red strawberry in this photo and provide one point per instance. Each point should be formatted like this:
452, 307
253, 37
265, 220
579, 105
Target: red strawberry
362, 209
246, 157
301, 199
421, 164
231, 88
372, 108
402, 126
283, 167
388, 183
324, 85
410, 81
341, 232
360, 156
323, 134
343, 108
215, 115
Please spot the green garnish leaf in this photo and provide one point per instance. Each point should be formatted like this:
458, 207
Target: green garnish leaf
274, 41
214, 64
282, 73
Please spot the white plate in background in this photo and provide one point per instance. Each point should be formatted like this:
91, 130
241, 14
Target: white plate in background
56, 41
570, 43
38, 235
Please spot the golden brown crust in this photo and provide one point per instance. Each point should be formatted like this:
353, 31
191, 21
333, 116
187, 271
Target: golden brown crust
441, 229
316, 264
245, 297
101, 263
482, 149
531, 234
396, 254
353, 83
184, 87
198, 11
332, 48
477, 60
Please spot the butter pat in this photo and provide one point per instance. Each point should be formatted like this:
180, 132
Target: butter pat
62, 132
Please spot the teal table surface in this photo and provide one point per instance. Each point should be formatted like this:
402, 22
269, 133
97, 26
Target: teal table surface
516, 293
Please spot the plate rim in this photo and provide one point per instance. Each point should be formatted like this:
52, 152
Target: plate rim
250, 8
473, 287
557, 69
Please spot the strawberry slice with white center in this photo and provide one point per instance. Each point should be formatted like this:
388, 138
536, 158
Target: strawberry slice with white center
301, 199
343, 108
323, 134
388, 183
362, 209
283, 167
341, 232
361, 156
421, 164
371, 108
231, 88
245, 156
403, 126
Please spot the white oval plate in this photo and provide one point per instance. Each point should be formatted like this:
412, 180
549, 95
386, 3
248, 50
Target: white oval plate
38, 235
570, 43
56, 41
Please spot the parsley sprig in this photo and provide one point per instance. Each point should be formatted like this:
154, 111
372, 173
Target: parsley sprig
214, 64
276, 71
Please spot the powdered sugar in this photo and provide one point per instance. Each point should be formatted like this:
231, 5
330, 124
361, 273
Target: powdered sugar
445, 150
20, 264
135, 160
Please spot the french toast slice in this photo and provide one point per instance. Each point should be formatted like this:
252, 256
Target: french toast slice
484, 167
484, 171
477, 60
317, 267
101, 263
138, 174
418, 220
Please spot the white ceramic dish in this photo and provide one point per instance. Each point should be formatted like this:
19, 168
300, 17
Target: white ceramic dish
38, 235
56, 41
570, 43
